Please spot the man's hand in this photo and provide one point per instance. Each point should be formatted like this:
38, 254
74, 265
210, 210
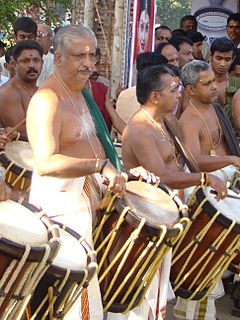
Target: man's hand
116, 182
218, 185
236, 161
13, 135
146, 175
4, 139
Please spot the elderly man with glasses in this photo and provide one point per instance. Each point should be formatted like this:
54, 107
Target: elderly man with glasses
45, 39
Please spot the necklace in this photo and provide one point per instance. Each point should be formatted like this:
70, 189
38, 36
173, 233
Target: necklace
212, 151
20, 83
96, 154
164, 134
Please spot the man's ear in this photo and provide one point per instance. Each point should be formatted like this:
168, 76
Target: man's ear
154, 97
190, 90
57, 58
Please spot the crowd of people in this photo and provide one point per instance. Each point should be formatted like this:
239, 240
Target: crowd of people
52, 80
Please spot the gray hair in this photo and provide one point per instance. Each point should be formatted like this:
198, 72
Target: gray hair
190, 72
66, 33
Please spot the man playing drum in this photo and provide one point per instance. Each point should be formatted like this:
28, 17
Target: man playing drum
70, 144
17, 92
209, 136
204, 128
147, 142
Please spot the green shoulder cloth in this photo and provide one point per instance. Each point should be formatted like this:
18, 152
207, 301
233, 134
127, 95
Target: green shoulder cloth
102, 130
234, 85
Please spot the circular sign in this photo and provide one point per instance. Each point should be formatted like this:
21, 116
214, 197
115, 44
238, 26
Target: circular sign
212, 18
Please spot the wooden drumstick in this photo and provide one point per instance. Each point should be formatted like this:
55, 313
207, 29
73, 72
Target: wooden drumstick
227, 196
18, 125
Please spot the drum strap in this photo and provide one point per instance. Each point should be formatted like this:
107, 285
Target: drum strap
182, 148
228, 131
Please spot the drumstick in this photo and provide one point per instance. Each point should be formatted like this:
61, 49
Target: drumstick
15, 127
227, 196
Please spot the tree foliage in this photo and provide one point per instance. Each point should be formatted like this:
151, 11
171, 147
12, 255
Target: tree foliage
171, 11
39, 10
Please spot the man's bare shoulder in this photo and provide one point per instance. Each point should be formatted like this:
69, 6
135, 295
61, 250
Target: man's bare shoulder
10, 95
46, 97
188, 117
136, 124
9, 89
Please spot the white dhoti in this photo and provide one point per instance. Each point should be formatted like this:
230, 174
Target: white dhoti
69, 201
205, 310
153, 306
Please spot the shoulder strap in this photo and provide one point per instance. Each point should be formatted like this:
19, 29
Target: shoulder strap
182, 148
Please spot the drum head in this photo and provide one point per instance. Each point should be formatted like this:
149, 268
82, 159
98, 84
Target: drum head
229, 207
21, 225
20, 153
151, 203
71, 253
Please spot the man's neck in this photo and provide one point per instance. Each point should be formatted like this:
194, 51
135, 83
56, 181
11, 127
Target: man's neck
155, 112
28, 84
219, 77
72, 87
199, 105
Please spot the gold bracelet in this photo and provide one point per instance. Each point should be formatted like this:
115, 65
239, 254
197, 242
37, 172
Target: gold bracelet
202, 180
206, 178
97, 165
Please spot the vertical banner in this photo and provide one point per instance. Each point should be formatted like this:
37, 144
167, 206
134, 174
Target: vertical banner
142, 33
212, 16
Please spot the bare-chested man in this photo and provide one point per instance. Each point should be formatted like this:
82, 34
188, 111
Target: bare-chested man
16, 94
221, 56
70, 144
199, 123
146, 140
202, 131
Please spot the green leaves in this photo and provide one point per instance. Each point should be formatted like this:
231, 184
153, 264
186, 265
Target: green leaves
41, 11
170, 12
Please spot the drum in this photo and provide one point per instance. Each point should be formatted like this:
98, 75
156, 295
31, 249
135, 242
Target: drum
17, 159
72, 269
209, 243
132, 236
28, 243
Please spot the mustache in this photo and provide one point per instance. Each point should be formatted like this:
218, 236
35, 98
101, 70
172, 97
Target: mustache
84, 69
31, 69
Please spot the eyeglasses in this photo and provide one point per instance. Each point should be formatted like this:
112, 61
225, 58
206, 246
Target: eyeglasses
42, 34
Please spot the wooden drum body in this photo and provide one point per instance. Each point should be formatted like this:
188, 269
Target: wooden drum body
28, 243
209, 243
72, 269
132, 236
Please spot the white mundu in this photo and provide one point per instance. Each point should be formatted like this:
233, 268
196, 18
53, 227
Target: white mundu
66, 201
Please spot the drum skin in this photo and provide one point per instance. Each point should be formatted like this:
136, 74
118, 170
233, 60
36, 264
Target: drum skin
220, 224
18, 176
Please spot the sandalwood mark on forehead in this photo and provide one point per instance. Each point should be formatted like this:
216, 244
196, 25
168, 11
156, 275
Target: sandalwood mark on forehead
86, 48
173, 84
206, 78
